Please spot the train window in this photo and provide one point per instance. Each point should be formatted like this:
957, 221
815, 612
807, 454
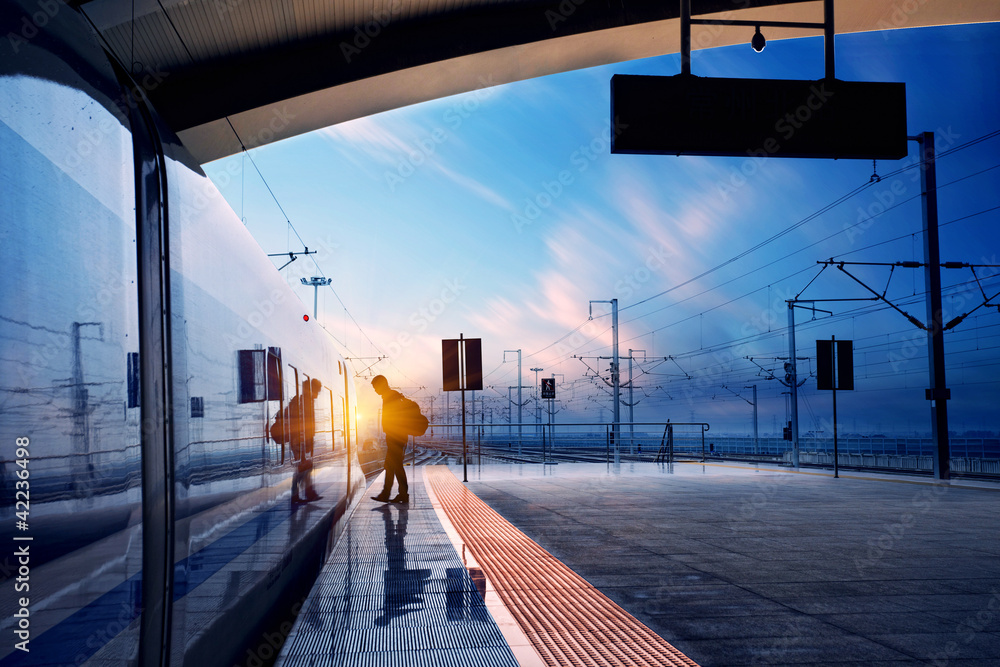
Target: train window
197, 407
252, 379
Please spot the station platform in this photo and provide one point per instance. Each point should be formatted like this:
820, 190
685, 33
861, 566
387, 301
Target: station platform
660, 564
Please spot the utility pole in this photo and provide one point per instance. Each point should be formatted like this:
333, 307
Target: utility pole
520, 381
510, 420
615, 379
432, 414
551, 425
631, 401
939, 393
538, 409
316, 282
756, 439
793, 385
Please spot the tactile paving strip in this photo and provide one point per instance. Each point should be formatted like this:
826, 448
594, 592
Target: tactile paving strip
568, 621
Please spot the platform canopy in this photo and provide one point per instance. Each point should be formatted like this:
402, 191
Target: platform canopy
278, 68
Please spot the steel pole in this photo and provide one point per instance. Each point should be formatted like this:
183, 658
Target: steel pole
828, 34
615, 379
686, 37
631, 414
938, 393
833, 370
793, 385
520, 381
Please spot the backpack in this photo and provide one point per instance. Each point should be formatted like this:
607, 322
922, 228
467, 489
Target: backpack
409, 418
277, 430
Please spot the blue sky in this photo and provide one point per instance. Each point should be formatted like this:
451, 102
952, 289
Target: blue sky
501, 213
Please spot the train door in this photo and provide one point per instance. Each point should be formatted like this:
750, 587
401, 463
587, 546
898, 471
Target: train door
325, 440
292, 424
346, 402
274, 391
336, 420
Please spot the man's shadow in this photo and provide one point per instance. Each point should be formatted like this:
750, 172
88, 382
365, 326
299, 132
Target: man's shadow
404, 588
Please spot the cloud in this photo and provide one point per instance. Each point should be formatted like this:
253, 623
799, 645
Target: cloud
372, 136
472, 185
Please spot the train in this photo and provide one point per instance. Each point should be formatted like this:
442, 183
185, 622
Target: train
147, 344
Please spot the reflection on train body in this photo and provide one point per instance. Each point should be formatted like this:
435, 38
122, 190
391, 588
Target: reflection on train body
160, 525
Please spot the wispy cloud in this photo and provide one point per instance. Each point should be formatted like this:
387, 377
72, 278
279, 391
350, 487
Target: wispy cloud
372, 136
472, 185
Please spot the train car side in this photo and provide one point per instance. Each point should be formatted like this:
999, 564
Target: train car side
146, 345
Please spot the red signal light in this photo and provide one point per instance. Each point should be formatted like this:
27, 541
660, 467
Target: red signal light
305, 318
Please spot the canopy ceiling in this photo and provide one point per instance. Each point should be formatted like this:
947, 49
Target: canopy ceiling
278, 68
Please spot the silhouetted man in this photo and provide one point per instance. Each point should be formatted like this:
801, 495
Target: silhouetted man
302, 424
395, 441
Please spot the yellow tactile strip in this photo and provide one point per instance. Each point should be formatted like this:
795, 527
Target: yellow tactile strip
568, 621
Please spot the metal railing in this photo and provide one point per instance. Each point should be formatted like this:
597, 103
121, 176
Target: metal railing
645, 440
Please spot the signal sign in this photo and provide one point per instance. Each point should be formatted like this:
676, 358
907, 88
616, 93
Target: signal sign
548, 387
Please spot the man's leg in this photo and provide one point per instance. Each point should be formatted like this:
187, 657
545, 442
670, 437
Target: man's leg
400, 471
390, 472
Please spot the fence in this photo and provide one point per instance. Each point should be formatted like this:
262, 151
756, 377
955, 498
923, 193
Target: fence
970, 455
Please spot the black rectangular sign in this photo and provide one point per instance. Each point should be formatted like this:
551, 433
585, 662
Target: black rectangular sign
548, 387
458, 354
690, 115
825, 363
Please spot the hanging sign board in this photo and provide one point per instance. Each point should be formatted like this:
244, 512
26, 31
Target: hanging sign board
691, 115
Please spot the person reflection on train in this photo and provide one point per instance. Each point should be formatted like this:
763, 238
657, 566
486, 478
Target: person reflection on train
302, 421
403, 588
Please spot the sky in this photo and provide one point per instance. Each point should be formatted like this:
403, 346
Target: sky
501, 214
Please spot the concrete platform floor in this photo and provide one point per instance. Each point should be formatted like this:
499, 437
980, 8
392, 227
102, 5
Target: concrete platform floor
737, 565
